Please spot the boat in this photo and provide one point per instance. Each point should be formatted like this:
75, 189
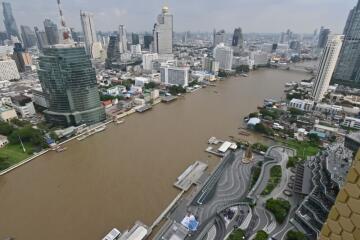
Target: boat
61, 149
119, 121
244, 75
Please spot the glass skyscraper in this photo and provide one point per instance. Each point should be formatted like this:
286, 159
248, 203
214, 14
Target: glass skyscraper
69, 80
9, 21
52, 32
348, 68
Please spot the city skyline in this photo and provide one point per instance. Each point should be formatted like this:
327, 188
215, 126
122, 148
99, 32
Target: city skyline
284, 14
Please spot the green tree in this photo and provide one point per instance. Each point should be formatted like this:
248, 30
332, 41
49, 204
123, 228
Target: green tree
279, 207
238, 234
6, 129
261, 235
20, 123
314, 139
261, 128
295, 112
295, 235
254, 114
4, 163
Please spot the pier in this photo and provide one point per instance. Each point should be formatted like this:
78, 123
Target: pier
190, 176
144, 108
168, 99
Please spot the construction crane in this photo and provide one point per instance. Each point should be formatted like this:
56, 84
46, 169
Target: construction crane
65, 30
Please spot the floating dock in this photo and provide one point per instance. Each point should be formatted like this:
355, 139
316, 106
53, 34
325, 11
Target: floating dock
144, 108
168, 99
190, 176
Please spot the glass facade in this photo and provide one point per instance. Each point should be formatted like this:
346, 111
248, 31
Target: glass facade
69, 80
348, 68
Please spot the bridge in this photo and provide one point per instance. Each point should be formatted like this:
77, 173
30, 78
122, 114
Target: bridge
294, 67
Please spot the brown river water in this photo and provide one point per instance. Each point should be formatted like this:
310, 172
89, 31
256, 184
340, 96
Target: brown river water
127, 173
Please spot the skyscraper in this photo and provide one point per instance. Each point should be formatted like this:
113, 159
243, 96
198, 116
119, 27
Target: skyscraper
41, 38
52, 32
224, 55
163, 33
122, 39
28, 36
237, 41
323, 37
88, 26
219, 37
347, 71
135, 38
9, 21
148, 39
21, 57
113, 51
69, 80
327, 65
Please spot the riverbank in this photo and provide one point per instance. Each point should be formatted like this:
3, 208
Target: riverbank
126, 173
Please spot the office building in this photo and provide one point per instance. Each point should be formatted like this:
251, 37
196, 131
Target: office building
41, 38
9, 21
113, 51
8, 70
224, 55
347, 71
343, 221
163, 33
21, 57
210, 65
148, 39
326, 66
28, 36
237, 41
219, 37
52, 32
91, 44
147, 60
135, 39
175, 76
122, 39
73, 94
323, 37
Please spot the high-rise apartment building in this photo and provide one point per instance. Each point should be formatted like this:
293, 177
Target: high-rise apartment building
52, 32
347, 71
69, 80
147, 60
28, 36
88, 26
135, 39
41, 38
175, 75
9, 21
122, 39
323, 37
224, 55
343, 221
327, 66
163, 33
21, 57
8, 70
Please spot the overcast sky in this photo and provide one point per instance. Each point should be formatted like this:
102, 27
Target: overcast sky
301, 16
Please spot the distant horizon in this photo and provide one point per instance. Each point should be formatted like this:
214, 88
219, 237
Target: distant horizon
300, 16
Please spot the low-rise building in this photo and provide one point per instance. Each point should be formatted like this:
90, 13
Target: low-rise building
3, 141
141, 81
328, 109
116, 90
39, 97
7, 113
303, 105
23, 106
351, 122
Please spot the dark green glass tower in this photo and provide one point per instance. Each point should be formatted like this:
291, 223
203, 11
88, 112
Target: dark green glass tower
69, 80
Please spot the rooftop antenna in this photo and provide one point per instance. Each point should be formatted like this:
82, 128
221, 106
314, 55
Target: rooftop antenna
65, 30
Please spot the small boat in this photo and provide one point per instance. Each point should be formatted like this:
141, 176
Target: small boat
119, 121
82, 137
244, 75
100, 129
61, 149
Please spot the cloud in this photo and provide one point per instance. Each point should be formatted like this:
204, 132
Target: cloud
119, 12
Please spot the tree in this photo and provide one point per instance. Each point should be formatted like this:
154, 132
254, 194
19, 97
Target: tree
261, 128
27, 134
279, 207
314, 139
295, 235
261, 235
4, 164
6, 129
295, 112
176, 89
20, 123
150, 85
238, 234
254, 114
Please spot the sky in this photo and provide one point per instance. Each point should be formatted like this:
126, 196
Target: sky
265, 16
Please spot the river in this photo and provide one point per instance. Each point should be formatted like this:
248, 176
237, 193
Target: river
126, 173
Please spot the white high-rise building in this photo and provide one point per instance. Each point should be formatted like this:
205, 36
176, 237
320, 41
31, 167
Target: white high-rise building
163, 33
327, 66
8, 70
175, 75
92, 46
147, 61
224, 55
122, 39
